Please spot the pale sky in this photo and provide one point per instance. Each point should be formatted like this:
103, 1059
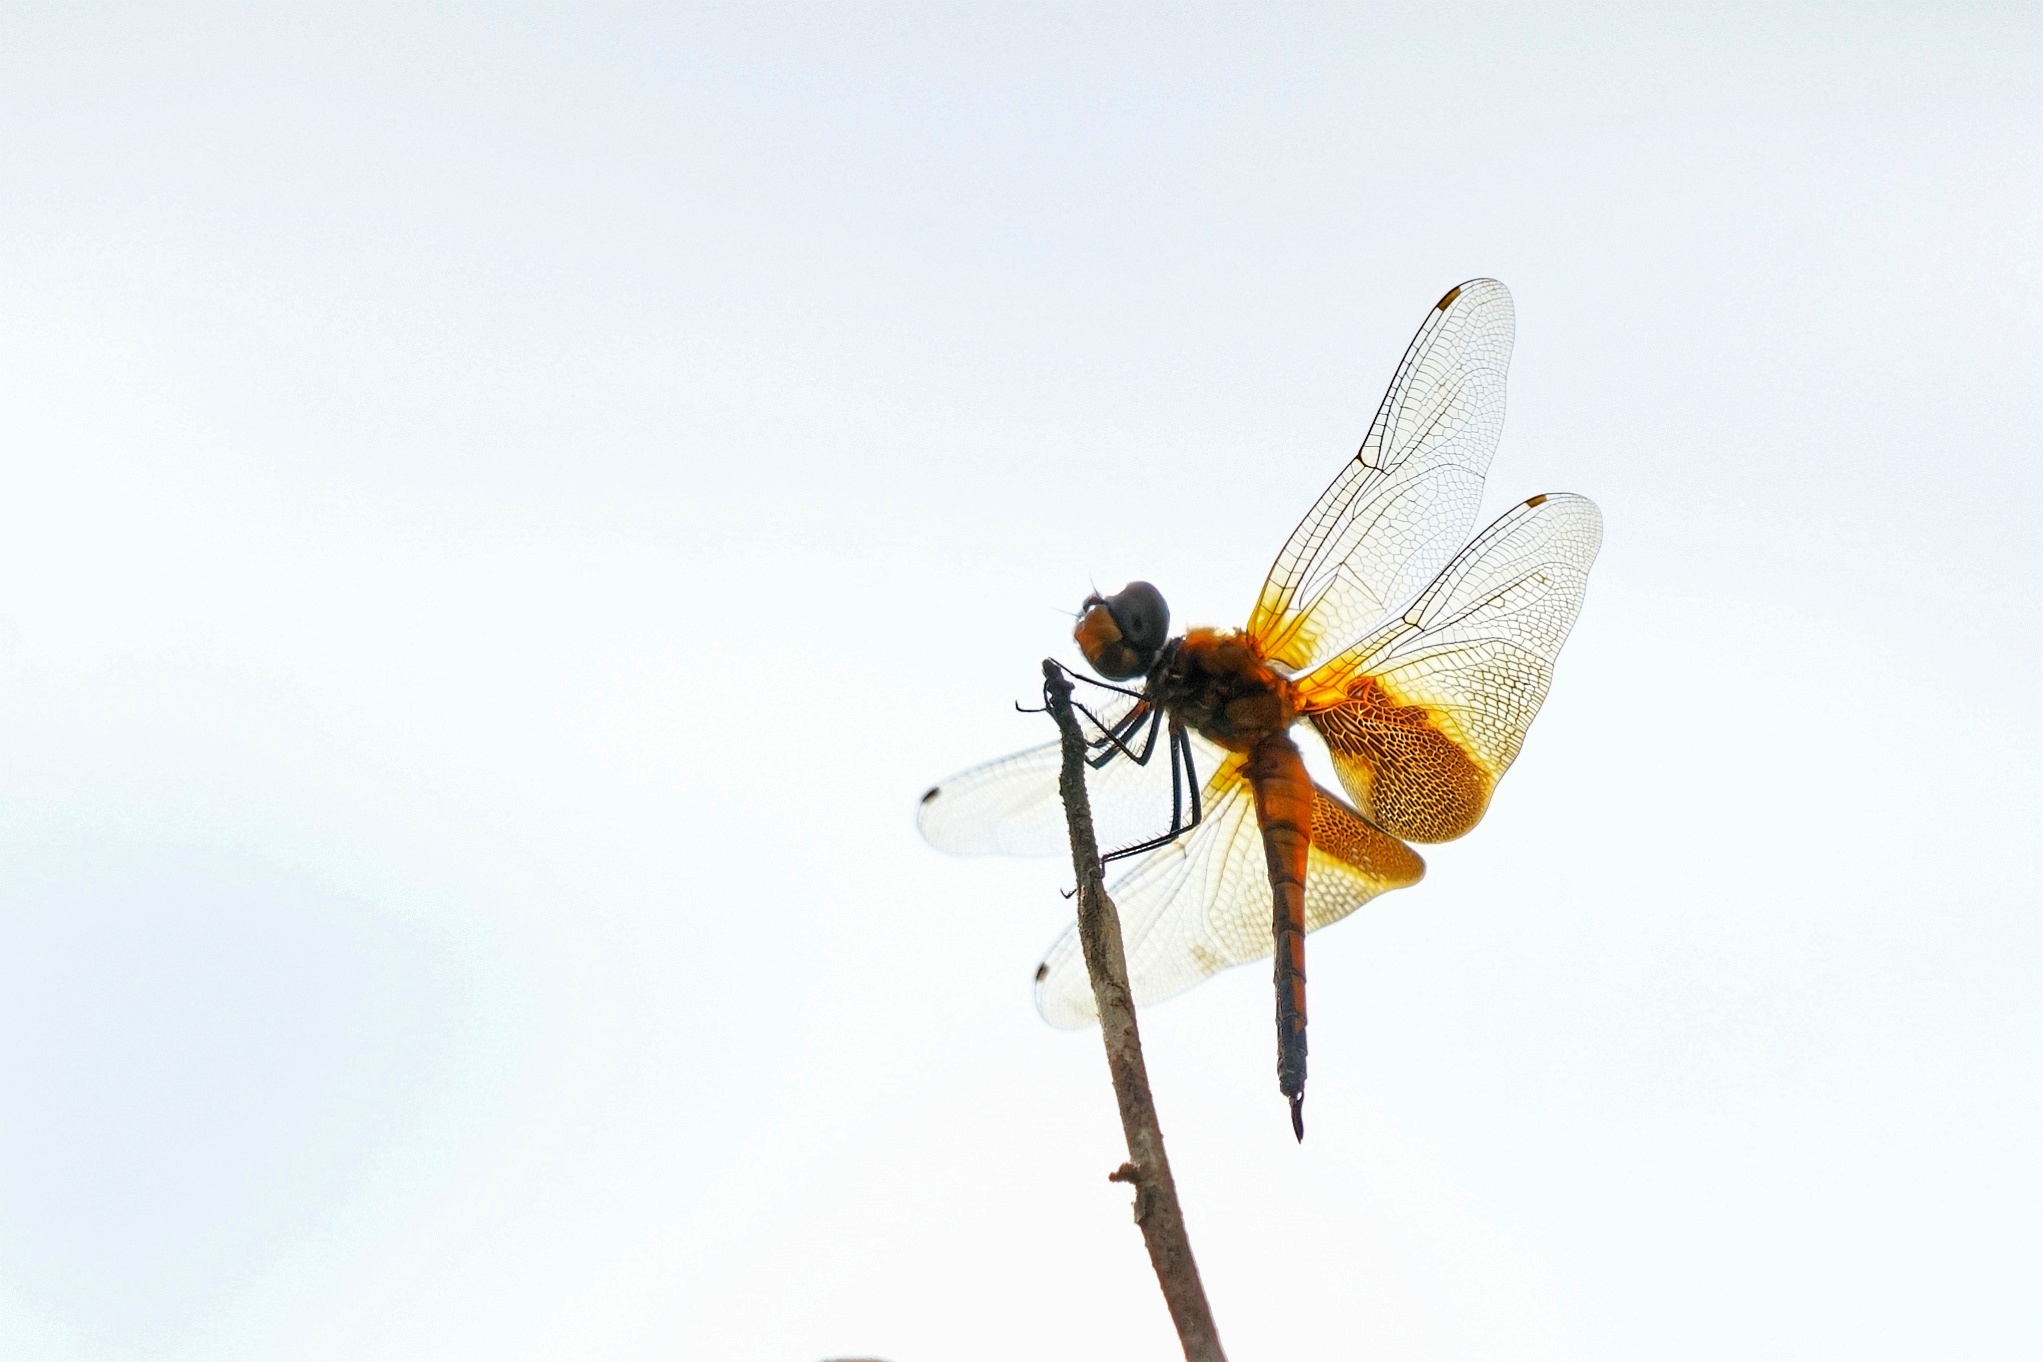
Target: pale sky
503, 511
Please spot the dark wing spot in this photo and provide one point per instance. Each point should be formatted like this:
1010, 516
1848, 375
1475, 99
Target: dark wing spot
1452, 294
929, 794
1534, 501
1042, 971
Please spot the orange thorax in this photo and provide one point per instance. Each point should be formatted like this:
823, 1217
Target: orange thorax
1217, 684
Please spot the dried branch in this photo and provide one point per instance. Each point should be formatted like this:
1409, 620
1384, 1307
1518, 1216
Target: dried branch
1099, 932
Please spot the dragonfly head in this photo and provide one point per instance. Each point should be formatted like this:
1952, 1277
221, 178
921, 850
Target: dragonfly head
1121, 634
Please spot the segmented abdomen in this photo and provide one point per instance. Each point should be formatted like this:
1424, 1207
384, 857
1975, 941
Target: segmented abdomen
1283, 792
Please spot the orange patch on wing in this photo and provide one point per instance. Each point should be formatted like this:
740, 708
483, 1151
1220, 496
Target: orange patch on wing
1410, 777
1381, 858
1352, 861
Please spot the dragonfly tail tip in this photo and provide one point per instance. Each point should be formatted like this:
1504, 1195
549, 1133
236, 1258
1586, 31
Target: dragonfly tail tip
1298, 1116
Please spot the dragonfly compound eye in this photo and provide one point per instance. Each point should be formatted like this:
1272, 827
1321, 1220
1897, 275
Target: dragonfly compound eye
1122, 633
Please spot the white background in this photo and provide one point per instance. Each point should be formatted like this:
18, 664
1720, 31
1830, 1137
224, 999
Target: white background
503, 512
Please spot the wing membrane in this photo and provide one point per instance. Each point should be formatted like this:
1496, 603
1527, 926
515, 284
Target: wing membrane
1425, 716
1409, 497
1203, 904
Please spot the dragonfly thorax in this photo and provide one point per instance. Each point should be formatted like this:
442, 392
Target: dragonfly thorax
1218, 685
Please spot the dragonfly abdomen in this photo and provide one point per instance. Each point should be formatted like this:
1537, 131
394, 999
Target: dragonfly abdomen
1276, 773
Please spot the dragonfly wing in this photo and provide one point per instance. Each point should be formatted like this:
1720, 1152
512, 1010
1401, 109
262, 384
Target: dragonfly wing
1203, 903
1352, 861
1425, 716
1011, 806
1408, 499
1007, 807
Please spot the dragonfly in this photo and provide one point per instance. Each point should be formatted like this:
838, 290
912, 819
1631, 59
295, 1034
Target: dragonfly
1416, 655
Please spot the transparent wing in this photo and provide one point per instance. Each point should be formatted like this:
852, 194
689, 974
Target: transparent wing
1425, 716
1408, 499
1202, 904
1011, 807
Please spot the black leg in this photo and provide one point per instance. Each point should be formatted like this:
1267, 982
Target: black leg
1184, 741
1181, 770
1113, 741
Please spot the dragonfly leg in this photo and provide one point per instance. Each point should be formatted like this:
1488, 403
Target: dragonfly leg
1184, 782
1071, 675
1113, 741
1113, 737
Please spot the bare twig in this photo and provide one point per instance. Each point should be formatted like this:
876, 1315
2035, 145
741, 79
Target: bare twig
1099, 932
